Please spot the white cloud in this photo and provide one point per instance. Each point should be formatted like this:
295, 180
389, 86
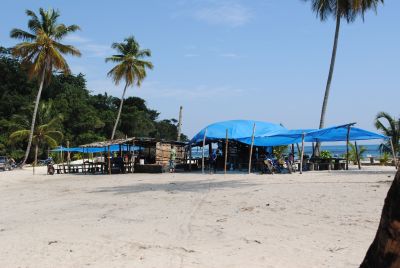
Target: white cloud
191, 55
75, 38
229, 14
229, 55
97, 50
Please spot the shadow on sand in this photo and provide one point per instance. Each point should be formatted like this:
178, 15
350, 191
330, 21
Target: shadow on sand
185, 186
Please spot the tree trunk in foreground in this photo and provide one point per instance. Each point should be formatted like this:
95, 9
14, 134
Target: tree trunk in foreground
36, 154
28, 148
385, 249
119, 112
328, 82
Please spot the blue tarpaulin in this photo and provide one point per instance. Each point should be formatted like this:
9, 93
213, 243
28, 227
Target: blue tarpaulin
113, 148
237, 129
268, 134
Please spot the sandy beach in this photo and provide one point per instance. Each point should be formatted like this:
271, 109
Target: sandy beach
318, 219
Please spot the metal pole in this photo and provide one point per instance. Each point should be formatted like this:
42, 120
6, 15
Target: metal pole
226, 151
109, 161
347, 147
251, 146
202, 157
394, 153
357, 155
302, 154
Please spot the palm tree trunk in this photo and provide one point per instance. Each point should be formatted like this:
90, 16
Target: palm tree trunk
28, 148
119, 112
36, 154
385, 248
328, 82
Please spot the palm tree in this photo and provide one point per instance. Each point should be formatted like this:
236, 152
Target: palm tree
41, 51
130, 67
339, 9
391, 129
45, 134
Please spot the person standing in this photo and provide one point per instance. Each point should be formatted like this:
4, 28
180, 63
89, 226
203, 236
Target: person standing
214, 157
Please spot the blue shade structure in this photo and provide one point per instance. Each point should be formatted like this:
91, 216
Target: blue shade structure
237, 129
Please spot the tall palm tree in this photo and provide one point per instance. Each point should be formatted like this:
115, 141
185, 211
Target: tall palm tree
41, 51
130, 67
339, 9
390, 129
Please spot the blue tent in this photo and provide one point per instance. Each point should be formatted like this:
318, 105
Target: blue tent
339, 133
331, 134
113, 148
237, 129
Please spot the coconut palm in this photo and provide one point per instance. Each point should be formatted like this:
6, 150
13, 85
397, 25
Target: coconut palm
339, 9
41, 51
45, 134
390, 129
130, 67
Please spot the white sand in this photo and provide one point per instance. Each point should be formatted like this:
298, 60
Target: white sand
318, 219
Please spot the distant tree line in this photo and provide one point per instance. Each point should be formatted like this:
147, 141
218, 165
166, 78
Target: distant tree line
86, 117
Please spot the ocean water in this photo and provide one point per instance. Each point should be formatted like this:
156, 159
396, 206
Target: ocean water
336, 150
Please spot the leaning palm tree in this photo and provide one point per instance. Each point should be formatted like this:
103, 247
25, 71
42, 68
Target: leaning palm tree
41, 51
130, 67
45, 134
391, 129
339, 9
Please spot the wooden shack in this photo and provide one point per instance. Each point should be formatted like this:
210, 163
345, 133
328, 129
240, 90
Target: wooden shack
153, 155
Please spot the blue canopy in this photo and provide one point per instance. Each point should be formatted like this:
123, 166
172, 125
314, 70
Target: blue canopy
331, 134
113, 148
339, 133
282, 138
237, 129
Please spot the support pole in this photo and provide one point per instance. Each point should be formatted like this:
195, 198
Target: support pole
302, 154
179, 124
68, 157
109, 161
251, 146
347, 147
202, 156
226, 151
190, 157
357, 155
393, 153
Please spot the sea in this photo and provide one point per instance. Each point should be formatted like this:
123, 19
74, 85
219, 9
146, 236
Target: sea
336, 150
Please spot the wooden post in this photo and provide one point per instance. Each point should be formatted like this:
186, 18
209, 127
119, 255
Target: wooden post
302, 154
68, 157
180, 124
357, 155
209, 156
190, 157
251, 146
347, 147
393, 153
109, 161
226, 151
202, 157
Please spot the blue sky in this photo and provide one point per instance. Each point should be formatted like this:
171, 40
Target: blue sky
263, 59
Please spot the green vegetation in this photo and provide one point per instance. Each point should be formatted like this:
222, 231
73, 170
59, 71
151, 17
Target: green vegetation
41, 52
353, 152
130, 67
86, 117
325, 154
391, 129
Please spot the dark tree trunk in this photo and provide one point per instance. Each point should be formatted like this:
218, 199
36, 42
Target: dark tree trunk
385, 249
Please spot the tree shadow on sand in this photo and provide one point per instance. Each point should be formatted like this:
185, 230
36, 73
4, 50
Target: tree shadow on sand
175, 186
